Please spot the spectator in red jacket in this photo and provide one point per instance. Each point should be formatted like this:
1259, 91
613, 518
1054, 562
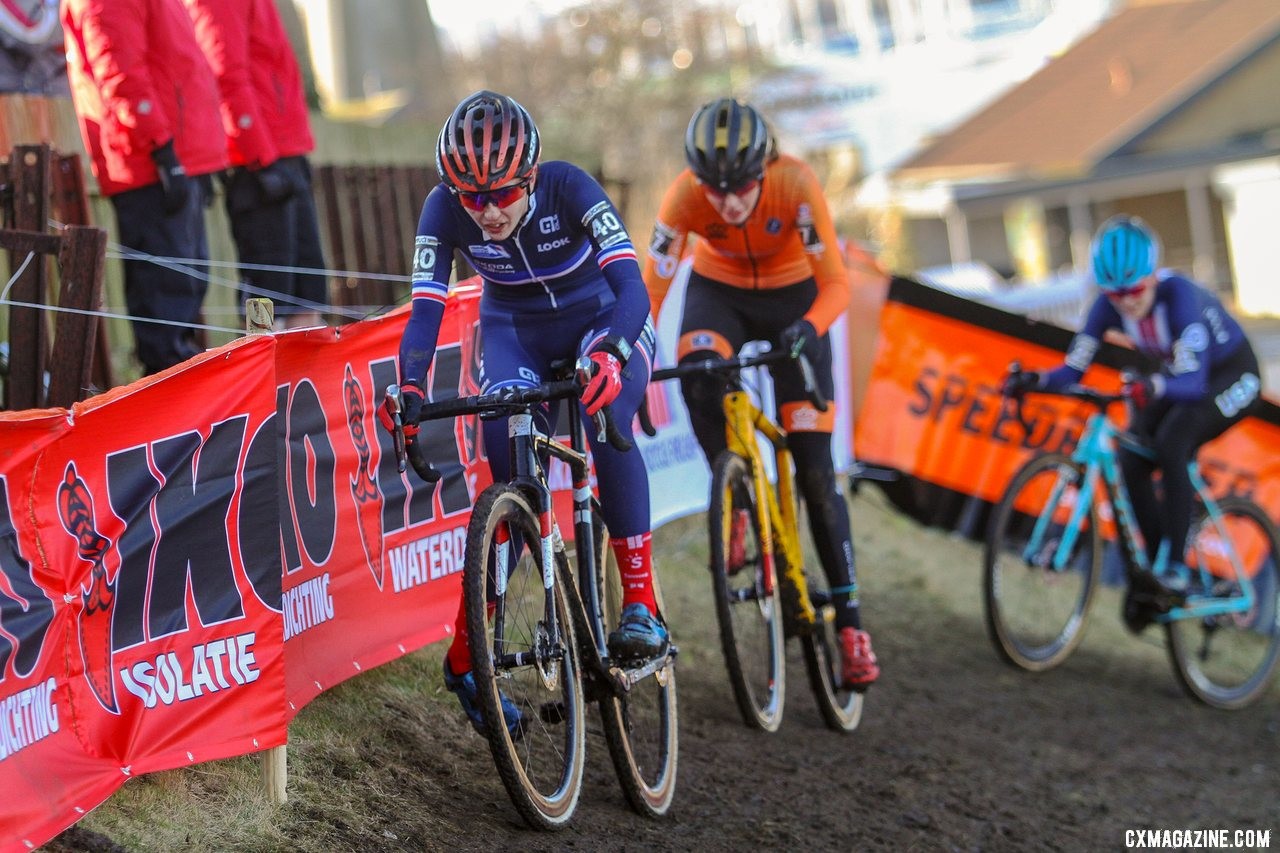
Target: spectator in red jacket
148, 109
268, 131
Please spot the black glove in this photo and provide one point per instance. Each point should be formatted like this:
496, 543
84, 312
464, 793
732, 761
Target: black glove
1016, 384
275, 183
799, 337
1143, 389
173, 178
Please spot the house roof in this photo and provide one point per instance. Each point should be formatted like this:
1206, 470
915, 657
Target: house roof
1135, 69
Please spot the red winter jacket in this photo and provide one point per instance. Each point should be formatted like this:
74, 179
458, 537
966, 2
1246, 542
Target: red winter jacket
264, 109
138, 79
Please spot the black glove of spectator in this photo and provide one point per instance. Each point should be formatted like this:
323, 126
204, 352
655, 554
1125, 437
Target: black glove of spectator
1016, 384
275, 183
799, 337
173, 178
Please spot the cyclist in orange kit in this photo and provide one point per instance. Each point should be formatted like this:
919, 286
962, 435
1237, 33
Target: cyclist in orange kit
767, 267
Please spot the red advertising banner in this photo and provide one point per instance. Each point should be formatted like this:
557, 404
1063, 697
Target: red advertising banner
933, 407
372, 557
139, 590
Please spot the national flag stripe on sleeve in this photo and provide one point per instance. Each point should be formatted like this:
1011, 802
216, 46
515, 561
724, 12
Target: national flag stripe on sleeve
618, 253
431, 290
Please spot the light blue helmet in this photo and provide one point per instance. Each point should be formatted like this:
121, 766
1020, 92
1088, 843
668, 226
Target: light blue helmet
1125, 250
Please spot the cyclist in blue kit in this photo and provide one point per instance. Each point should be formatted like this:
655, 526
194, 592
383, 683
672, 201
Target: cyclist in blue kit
560, 280
1208, 380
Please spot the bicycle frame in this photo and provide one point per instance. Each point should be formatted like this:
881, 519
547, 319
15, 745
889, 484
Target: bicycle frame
1096, 452
528, 443
779, 517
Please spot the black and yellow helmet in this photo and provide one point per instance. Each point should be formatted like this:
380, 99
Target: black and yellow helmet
727, 144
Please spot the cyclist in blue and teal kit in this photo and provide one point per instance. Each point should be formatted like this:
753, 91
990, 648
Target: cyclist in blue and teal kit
1207, 381
560, 280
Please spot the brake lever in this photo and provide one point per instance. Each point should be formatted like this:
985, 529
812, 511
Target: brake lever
396, 406
582, 373
811, 388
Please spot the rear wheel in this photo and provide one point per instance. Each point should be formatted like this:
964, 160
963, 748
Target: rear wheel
841, 708
1226, 660
640, 726
516, 653
1037, 594
747, 602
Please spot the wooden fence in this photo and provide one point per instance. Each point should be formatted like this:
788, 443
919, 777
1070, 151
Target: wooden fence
36, 184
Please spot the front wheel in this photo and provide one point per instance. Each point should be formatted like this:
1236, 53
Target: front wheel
1226, 659
748, 606
522, 661
1040, 569
640, 726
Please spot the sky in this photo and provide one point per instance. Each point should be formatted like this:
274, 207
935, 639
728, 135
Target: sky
463, 21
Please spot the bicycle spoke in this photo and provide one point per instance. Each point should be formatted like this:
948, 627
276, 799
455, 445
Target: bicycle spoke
522, 664
1226, 658
747, 600
1040, 572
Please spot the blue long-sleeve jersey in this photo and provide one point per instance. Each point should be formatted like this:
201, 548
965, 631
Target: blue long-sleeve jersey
1187, 330
571, 246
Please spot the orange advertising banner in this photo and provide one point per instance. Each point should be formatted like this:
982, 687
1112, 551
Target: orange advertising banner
933, 408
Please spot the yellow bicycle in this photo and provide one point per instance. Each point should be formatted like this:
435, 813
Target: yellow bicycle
763, 593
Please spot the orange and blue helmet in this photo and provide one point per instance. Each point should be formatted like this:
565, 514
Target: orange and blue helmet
727, 144
489, 141
1125, 250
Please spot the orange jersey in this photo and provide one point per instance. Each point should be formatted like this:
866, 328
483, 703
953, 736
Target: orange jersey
787, 238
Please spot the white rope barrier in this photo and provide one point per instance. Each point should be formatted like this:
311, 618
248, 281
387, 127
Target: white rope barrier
25, 263
111, 315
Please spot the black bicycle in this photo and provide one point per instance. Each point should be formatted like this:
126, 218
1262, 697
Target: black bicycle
537, 619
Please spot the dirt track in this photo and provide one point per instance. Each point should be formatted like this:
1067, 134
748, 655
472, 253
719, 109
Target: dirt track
956, 751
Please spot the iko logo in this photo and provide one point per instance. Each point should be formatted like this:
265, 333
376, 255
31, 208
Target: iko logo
549, 224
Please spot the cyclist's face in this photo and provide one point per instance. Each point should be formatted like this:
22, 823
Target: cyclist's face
736, 206
498, 223
1137, 302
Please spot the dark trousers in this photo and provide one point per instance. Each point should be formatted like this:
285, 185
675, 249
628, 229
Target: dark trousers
284, 233
163, 289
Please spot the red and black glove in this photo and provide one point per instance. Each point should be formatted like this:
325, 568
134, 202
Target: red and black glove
605, 383
411, 400
1142, 390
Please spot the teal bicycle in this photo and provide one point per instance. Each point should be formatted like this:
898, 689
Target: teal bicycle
1044, 554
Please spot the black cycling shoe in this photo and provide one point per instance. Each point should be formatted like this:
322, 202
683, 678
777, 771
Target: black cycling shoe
1137, 614
1147, 597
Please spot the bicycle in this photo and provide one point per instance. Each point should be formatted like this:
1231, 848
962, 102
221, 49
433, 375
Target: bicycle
769, 597
536, 623
1043, 560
